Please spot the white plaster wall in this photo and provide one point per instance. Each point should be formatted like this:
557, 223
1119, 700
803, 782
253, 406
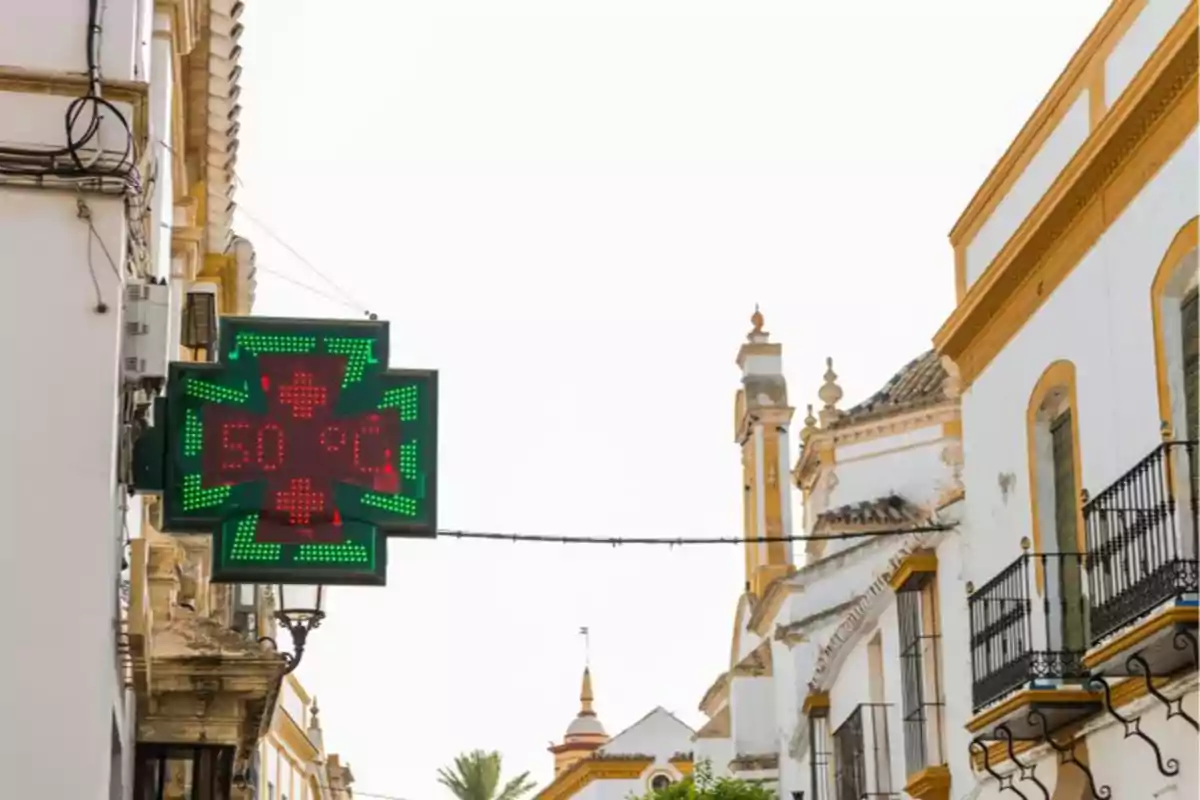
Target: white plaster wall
752, 716
718, 752
1127, 765
1098, 318
1138, 44
838, 579
849, 688
1055, 153
955, 664
658, 733
58, 446
748, 640
914, 472
50, 35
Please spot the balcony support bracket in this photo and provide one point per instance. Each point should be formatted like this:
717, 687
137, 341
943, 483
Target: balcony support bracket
1185, 637
1132, 725
1066, 755
1005, 781
1028, 772
1136, 665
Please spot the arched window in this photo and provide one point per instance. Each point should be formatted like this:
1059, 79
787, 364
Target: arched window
660, 782
1174, 307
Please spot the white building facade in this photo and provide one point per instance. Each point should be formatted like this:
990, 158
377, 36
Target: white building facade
652, 753
1075, 341
116, 175
834, 687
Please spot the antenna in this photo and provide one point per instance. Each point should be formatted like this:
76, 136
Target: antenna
587, 646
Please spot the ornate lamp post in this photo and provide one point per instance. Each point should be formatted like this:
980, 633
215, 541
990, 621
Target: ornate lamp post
300, 609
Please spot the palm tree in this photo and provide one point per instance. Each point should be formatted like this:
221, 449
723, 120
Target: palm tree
476, 776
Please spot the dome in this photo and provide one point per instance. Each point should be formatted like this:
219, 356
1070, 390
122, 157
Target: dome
585, 725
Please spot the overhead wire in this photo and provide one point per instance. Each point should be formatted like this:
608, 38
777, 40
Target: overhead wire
616, 541
349, 300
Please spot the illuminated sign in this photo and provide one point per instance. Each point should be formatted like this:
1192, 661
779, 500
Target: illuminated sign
301, 451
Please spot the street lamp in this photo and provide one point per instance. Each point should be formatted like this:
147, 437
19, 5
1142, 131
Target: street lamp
300, 608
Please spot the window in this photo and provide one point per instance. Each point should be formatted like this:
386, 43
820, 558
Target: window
166, 772
851, 768
920, 673
820, 757
245, 608
660, 782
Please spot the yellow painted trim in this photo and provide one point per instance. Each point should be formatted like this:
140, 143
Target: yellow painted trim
1027, 697
295, 739
1095, 89
815, 703
683, 766
584, 771
952, 429
1131, 638
777, 591
1184, 242
1045, 118
931, 783
915, 563
1060, 374
1135, 138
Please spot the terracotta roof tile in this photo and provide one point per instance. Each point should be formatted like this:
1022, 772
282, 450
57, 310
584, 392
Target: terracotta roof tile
918, 383
892, 511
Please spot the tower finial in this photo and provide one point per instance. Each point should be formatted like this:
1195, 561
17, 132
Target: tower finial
830, 393
810, 425
757, 334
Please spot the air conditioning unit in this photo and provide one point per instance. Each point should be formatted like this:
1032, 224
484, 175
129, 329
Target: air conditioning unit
144, 350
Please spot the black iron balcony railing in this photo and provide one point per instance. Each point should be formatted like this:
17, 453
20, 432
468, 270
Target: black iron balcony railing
862, 755
1021, 632
1141, 538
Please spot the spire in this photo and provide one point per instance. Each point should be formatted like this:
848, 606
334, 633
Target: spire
585, 695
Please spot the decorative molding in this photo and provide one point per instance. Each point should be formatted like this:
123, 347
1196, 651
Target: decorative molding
816, 704
931, 783
597, 767
716, 695
1153, 116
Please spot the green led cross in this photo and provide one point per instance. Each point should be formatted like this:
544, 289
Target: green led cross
300, 451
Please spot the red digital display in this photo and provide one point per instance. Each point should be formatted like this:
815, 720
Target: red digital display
300, 448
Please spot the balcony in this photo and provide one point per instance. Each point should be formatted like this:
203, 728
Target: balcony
1142, 556
862, 756
1028, 627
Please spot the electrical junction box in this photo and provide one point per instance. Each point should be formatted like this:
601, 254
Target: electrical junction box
147, 316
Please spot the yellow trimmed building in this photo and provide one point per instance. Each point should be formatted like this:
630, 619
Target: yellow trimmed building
653, 752
292, 763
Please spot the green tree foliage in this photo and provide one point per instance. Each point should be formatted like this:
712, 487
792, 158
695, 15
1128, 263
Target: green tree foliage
701, 785
476, 776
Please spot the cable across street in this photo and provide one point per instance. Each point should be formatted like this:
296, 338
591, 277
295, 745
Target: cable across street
682, 541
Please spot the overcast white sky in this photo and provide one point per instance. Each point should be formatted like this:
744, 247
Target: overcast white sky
570, 208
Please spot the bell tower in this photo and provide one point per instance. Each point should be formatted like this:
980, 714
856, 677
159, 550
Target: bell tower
761, 419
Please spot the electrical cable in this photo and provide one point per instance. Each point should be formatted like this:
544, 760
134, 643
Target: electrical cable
616, 541
350, 301
48, 162
308, 287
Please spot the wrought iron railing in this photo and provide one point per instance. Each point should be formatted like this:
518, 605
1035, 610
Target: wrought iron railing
1141, 538
862, 755
1022, 633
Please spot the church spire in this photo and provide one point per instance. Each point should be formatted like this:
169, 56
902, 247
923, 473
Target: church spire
585, 695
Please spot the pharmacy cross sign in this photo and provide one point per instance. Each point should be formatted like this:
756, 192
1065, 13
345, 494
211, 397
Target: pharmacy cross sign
301, 451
